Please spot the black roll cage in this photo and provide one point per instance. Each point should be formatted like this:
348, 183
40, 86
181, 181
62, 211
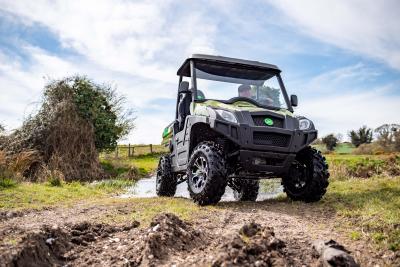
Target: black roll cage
192, 74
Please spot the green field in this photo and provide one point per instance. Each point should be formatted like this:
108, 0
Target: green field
341, 148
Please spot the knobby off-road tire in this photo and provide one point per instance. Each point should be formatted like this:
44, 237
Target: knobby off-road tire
166, 182
246, 190
206, 174
313, 176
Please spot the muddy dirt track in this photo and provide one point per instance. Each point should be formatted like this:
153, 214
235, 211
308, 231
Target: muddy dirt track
77, 236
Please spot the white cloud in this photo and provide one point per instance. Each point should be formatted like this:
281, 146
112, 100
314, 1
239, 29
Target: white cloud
343, 99
136, 38
367, 27
137, 46
347, 78
341, 113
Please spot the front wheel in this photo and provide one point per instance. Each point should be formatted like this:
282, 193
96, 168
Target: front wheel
206, 174
246, 190
166, 182
307, 179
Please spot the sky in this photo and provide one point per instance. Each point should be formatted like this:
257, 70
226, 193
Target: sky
341, 57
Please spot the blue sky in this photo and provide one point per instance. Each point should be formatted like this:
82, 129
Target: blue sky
342, 58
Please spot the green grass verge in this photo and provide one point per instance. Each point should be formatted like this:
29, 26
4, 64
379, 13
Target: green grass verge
371, 205
145, 164
39, 195
23, 195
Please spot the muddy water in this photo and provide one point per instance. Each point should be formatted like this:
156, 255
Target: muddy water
147, 188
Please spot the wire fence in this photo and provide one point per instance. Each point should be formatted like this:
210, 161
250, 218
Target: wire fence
128, 151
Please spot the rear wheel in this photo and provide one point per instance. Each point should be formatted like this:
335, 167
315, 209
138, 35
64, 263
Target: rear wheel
245, 190
307, 179
166, 182
206, 174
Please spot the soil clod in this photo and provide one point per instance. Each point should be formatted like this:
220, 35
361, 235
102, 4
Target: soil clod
256, 246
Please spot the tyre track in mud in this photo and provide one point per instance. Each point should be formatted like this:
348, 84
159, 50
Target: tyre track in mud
77, 236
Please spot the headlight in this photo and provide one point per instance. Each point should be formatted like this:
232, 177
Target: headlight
226, 115
304, 124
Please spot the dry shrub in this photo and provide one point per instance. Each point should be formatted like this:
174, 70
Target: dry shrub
370, 149
339, 171
55, 141
393, 165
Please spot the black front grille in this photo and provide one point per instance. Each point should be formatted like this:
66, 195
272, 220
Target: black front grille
271, 139
260, 121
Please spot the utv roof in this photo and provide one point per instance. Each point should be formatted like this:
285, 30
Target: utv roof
184, 70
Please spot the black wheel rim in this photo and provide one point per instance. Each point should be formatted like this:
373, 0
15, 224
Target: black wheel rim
299, 179
198, 174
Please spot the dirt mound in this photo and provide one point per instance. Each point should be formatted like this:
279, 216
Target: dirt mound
168, 241
167, 235
254, 246
84, 233
55, 246
44, 248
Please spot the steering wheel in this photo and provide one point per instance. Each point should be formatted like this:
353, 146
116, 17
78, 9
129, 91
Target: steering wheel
241, 98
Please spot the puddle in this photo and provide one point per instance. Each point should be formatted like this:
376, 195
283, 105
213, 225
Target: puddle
147, 188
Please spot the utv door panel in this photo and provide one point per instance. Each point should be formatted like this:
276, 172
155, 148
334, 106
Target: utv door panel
182, 146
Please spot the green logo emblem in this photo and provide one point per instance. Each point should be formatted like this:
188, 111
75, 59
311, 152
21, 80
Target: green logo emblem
269, 121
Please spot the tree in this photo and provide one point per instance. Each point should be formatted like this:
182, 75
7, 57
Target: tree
361, 136
330, 141
386, 134
397, 140
100, 105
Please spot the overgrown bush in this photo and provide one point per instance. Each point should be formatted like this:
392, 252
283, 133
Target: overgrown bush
76, 120
102, 107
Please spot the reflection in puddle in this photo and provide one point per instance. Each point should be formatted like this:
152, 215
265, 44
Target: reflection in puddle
147, 188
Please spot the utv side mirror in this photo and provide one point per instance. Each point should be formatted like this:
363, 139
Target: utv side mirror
294, 101
184, 87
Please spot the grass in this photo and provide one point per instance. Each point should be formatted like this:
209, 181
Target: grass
40, 195
7, 183
24, 195
341, 148
145, 164
370, 205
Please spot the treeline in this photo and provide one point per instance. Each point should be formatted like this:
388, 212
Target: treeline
385, 138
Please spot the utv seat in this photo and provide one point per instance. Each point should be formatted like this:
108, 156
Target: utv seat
184, 104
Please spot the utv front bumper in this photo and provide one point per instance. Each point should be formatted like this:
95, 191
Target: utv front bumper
263, 148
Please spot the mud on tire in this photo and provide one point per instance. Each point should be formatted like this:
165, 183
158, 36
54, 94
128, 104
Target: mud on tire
246, 190
206, 174
166, 182
308, 177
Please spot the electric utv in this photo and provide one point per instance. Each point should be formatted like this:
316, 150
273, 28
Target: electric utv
234, 125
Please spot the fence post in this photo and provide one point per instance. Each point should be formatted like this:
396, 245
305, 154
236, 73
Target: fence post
133, 151
129, 150
116, 152
151, 149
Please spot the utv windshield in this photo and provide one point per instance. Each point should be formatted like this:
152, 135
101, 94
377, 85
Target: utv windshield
231, 84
